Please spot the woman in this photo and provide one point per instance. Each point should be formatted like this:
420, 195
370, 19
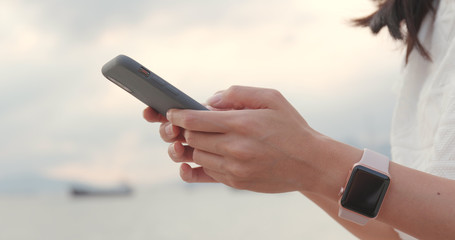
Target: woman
256, 140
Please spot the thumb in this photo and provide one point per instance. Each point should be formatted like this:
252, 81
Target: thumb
240, 97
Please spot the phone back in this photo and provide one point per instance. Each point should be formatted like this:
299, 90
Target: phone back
147, 86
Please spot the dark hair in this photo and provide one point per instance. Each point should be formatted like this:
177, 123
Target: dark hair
395, 13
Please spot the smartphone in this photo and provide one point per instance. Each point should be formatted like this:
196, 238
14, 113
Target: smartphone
146, 86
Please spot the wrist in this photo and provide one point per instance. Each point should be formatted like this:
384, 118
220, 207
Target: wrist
333, 161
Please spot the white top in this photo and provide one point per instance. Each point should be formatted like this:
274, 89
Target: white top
423, 127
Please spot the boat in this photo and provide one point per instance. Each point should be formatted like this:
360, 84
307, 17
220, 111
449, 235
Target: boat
84, 190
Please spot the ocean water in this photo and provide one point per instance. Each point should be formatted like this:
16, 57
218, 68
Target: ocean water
167, 211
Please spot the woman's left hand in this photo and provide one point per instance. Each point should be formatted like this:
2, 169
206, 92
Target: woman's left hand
255, 140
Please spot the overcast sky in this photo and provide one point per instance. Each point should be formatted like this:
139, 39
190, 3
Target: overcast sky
60, 118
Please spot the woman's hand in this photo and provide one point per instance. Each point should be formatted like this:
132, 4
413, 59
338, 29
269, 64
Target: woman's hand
255, 140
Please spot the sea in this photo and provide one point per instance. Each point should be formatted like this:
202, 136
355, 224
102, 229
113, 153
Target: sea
166, 211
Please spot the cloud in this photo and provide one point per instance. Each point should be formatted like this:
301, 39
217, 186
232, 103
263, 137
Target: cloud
59, 116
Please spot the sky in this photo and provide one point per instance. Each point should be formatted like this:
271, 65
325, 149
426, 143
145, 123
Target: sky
61, 119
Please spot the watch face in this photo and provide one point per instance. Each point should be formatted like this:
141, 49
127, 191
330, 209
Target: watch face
365, 191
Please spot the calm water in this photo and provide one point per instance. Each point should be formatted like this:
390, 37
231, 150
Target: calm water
173, 211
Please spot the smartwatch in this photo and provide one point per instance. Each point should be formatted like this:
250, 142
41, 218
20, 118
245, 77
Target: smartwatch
365, 189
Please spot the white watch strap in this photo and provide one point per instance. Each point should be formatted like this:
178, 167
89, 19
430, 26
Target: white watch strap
352, 216
375, 160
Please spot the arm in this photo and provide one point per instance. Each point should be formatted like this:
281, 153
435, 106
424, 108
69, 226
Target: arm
267, 146
417, 203
372, 230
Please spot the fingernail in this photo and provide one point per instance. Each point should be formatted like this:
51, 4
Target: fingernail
168, 115
172, 149
181, 169
214, 99
186, 175
169, 130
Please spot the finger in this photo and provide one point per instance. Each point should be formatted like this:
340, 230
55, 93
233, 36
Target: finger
191, 175
180, 153
208, 160
229, 145
239, 97
205, 121
226, 179
153, 116
209, 142
170, 132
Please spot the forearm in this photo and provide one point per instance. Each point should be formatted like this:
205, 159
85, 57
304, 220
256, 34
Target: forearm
331, 183
372, 230
417, 203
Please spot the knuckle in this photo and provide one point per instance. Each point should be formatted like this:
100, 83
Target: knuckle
239, 150
188, 120
190, 138
197, 156
220, 147
273, 94
243, 125
233, 89
231, 94
235, 183
239, 172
